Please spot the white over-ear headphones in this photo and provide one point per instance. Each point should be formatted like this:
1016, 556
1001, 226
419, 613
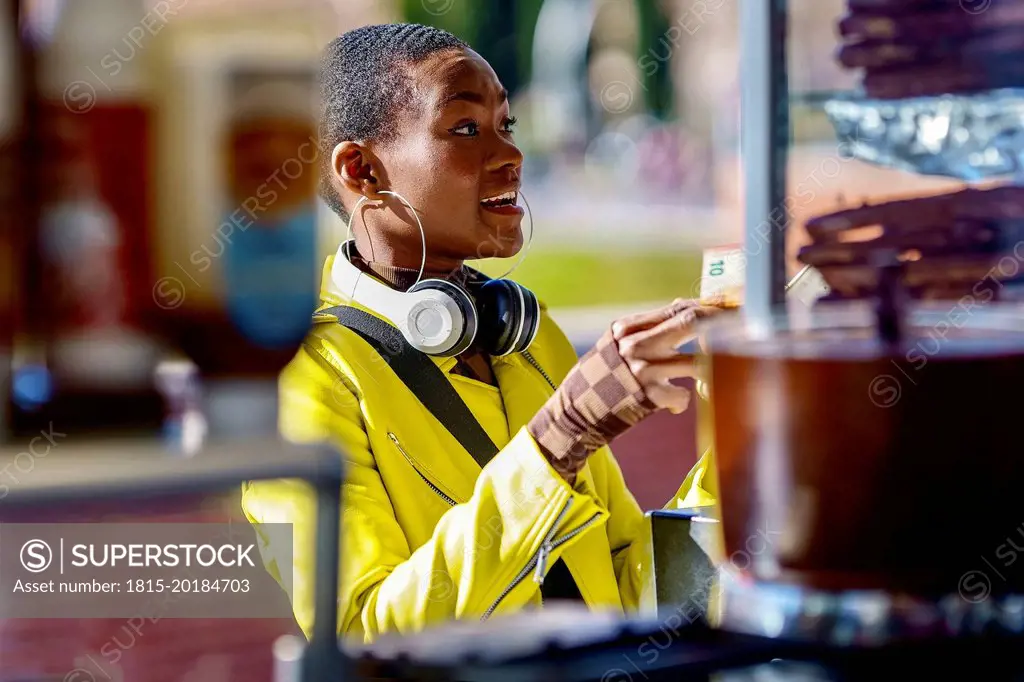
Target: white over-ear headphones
439, 317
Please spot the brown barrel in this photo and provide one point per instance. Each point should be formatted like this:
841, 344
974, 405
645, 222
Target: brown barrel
871, 467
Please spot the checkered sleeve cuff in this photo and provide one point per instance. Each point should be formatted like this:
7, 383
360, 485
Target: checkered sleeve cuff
598, 400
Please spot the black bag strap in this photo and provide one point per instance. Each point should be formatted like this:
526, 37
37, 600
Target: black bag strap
423, 377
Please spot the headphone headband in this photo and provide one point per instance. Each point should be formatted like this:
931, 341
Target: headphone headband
436, 316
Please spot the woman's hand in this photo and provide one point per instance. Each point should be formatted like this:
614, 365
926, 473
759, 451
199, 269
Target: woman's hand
648, 344
623, 379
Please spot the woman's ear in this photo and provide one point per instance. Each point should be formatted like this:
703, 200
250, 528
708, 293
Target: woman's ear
356, 168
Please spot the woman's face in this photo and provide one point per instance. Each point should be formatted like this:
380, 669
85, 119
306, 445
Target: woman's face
454, 151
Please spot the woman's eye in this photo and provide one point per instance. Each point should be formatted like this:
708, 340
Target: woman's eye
466, 129
510, 124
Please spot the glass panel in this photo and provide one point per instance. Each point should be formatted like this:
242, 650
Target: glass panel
882, 110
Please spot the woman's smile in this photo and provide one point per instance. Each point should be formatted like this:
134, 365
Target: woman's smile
503, 204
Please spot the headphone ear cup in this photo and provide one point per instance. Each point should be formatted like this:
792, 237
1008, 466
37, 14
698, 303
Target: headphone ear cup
445, 324
531, 319
509, 316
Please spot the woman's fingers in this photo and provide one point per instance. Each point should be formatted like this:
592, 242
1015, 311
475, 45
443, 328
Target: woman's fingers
647, 343
648, 372
656, 377
661, 341
631, 324
673, 398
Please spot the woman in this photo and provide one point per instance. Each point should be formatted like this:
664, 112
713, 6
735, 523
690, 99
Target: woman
420, 139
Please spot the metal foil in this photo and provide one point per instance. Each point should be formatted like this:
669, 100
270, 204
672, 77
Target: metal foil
968, 137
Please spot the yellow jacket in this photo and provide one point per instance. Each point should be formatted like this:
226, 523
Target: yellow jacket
428, 535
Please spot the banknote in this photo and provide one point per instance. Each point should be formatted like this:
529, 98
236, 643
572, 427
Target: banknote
723, 277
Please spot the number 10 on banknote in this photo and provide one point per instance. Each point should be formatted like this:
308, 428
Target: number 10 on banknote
723, 277
723, 274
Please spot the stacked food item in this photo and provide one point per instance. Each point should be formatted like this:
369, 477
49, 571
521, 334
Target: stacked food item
956, 244
964, 243
914, 48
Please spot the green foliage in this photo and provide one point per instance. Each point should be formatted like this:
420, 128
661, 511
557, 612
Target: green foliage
568, 278
526, 25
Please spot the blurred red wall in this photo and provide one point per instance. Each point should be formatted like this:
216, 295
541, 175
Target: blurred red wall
656, 454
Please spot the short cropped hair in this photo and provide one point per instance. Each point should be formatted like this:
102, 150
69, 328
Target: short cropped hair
362, 83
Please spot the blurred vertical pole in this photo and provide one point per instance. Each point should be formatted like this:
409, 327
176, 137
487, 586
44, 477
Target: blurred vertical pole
496, 42
527, 12
323, 659
764, 140
11, 185
657, 41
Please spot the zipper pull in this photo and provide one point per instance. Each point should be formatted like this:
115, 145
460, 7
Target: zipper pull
545, 548
542, 563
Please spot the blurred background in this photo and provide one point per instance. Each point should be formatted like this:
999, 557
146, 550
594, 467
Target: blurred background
141, 147
629, 119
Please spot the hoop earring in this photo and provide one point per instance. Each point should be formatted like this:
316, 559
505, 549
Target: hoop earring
423, 235
526, 247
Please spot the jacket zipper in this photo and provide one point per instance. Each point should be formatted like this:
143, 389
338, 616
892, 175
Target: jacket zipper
535, 560
573, 533
412, 463
545, 550
539, 560
530, 359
